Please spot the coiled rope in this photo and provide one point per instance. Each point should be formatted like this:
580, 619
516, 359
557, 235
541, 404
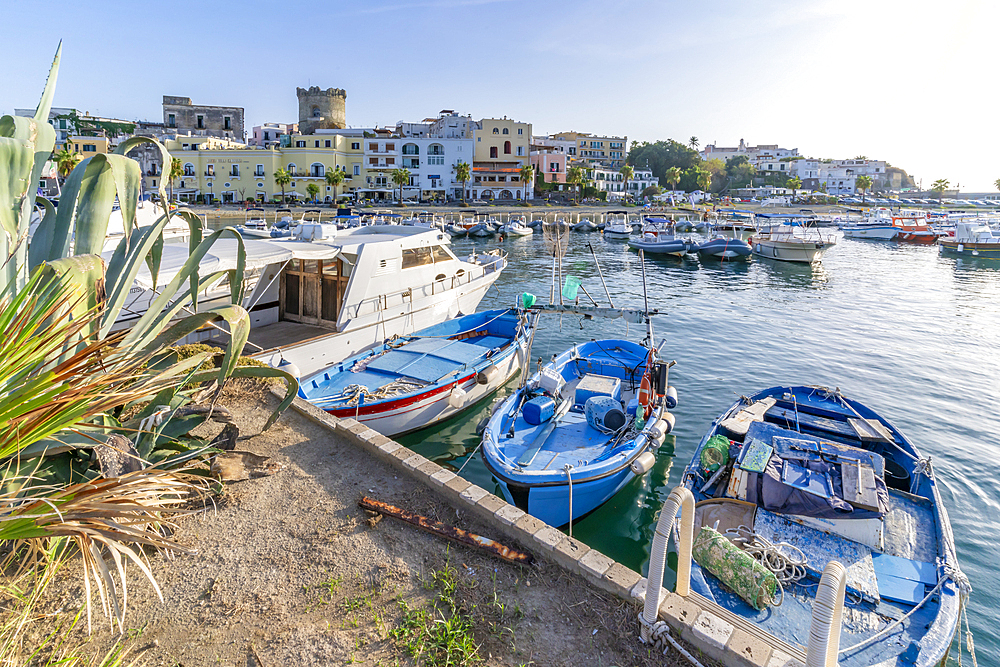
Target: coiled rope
785, 560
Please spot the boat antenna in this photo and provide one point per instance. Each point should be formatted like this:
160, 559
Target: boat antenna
601, 273
645, 298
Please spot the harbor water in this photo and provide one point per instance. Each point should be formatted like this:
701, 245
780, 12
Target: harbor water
911, 333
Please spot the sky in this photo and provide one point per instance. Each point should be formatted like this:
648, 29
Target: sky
909, 82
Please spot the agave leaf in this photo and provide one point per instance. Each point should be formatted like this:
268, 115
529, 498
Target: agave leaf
165, 306
165, 160
45, 103
82, 276
16, 159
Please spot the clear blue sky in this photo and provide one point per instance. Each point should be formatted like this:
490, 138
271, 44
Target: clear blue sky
908, 82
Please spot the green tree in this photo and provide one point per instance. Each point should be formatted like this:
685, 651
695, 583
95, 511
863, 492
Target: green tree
717, 169
662, 155
334, 177
795, 183
464, 174
651, 191
673, 177
627, 173
863, 183
996, 184
66, 161
577, 177
401, 177
693, 143
940, 185
739, 171
527, 173
281, 179
312, 190
175, 171
705, 180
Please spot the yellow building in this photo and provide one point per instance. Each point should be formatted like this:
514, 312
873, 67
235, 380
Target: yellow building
87, 146
502, 147
588, 149
221, 170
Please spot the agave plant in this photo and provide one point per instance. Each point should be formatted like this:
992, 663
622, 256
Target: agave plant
95, 426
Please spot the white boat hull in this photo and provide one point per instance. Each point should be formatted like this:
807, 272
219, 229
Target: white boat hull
806, 252
877, 233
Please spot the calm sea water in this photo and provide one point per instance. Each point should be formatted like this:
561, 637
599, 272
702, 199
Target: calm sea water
912, 334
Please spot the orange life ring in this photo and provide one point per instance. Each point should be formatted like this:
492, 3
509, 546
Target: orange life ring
645, 395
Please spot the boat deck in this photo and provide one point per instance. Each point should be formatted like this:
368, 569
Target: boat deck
425, 360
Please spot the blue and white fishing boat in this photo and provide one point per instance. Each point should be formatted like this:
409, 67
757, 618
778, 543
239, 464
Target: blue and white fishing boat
799, 476
659, 237
411, 382
584, 425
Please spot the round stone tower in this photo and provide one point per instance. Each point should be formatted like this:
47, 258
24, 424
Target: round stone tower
321, 109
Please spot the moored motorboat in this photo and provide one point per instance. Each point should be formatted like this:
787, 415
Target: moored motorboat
790, 238
794, 482
585, 225
583, 426
723, 247
972, 238
516, 226
617, 226
659, 237
414, 381
254, 224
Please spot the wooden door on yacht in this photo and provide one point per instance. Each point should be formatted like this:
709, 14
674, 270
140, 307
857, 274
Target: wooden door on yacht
312, 291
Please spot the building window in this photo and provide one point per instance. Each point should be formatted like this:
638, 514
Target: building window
235, 170
390, 160
506, 148
211, 170
316, 144
154, 182
520, 130
300, 144
520, 150
493, 151
496, 130
267, 135
326, 144
373, 147
356, 146
390, 147
89, 148
505, 131
260, 185
357, 170
188, 169
171, 120
227, 123
201, 122
291, 169
260, 170
317, 170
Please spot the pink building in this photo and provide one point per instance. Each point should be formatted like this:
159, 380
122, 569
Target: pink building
269, 134
548, 157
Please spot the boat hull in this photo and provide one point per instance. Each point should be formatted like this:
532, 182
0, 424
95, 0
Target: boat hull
985, 250
919, 238
873, 233
676, 248
726, 248
617, 235
551, 503
783, 251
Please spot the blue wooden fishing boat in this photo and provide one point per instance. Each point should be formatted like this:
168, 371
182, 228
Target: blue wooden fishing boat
411, 382
803, 476
585, 425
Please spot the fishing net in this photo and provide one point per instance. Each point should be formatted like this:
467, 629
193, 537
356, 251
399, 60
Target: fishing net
735, 568
715, 454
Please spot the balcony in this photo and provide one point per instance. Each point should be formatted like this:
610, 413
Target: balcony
258, 174
209, 172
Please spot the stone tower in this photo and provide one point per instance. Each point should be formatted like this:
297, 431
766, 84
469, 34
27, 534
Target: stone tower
321, 109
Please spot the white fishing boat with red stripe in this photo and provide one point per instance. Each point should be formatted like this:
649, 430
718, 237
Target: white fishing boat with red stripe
414, 381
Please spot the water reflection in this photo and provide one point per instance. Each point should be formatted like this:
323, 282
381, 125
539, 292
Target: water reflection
792, 275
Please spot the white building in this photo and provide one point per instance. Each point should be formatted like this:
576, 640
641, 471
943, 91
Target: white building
430, 150
755, 154
612, 181
269, 134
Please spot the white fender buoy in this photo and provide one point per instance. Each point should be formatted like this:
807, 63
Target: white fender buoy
671, 398
457, 398
487, 375
643, 463
290, 368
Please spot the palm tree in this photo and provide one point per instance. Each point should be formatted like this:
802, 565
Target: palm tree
704, 181
863, 183
401, 177
940, 185
576, 176
312, 190
795, 183
66, 160
996, 184
281, 179
693, 142
464, 174
527, 173
627, 173
176, 171
334, 178
673, 176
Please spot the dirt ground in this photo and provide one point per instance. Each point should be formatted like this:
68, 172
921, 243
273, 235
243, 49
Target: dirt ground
290, 571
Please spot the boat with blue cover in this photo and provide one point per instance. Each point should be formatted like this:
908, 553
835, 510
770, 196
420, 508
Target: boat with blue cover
567, 440
413, 381
799, 476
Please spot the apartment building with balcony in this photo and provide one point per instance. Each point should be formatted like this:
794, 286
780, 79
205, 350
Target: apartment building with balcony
612, 182
502, 147
179, 114
269, 134
590, 149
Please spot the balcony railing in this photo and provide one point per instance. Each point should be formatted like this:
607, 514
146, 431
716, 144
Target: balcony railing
258, 174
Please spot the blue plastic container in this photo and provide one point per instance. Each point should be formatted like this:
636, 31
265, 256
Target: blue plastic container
538, 410
632, 407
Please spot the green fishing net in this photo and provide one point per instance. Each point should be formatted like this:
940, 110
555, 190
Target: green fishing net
734, 567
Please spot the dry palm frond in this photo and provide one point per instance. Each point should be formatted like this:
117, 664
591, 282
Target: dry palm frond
101, 516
